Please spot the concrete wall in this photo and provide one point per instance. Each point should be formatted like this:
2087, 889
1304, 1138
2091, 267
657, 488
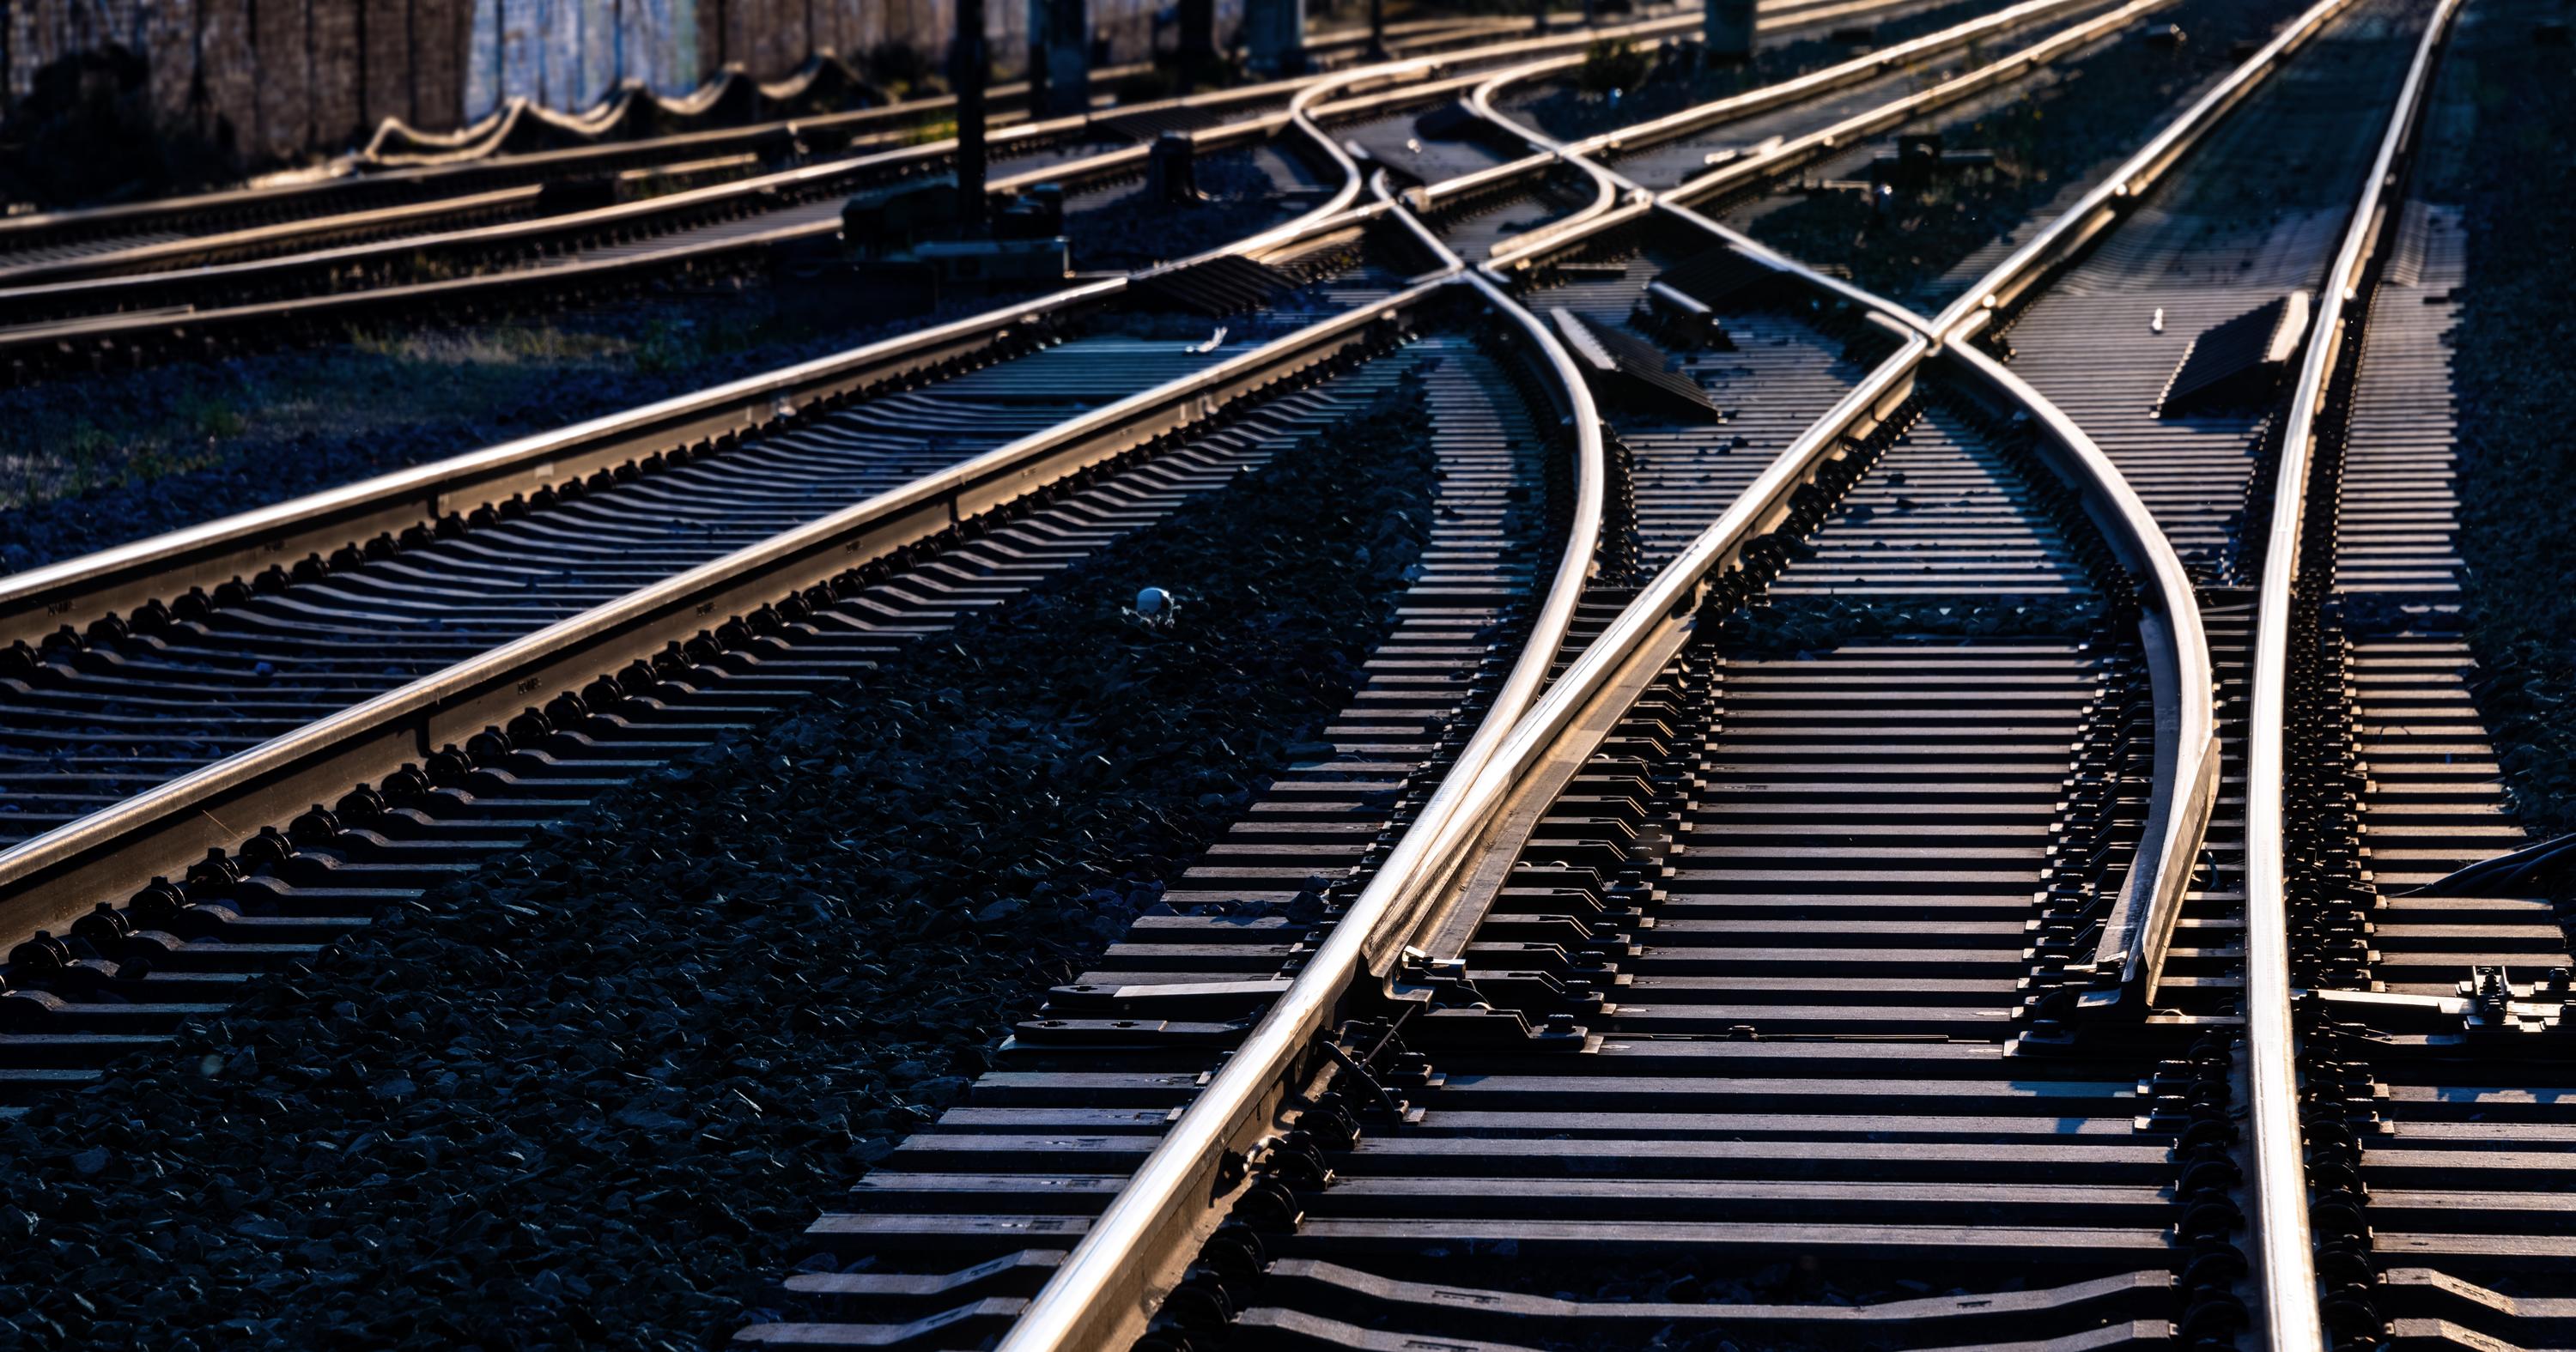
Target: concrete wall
286, 78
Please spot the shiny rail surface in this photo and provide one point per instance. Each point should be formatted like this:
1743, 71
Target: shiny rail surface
53, 605
2285, 1241
690, 229
477, 159
1118, 1266
52, 879
1601, 875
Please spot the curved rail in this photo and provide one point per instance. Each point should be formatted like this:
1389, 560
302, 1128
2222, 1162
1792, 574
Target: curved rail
79, 592
1745, 170
2128, 964
1105, 1287
147, 269
465, 156
2285, 1252
2180, 676
2063, 238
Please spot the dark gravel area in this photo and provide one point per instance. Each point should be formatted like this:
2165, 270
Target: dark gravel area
1614, 89
1807, 626
591, 1096
1133, 230
2063, 129
94, 461
2517, 396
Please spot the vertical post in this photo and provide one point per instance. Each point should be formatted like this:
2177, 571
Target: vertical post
1059, 57
1728, 35
968, 64
1377, 30
1275, 33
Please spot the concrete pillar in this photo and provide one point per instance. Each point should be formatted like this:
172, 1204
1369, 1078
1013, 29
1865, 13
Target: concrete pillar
1059, 57
1729, 31
970, 63
1274, 35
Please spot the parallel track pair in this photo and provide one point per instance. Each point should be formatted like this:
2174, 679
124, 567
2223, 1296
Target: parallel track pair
1654, 947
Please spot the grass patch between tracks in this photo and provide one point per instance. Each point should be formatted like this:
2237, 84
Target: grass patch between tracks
591, 1096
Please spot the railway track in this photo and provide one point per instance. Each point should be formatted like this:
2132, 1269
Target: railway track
409, 181
177, 706
2422, 999
977, 385
182, 295
1765, 928
418, 202
1780, 973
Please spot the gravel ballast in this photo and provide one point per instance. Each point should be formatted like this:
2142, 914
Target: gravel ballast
2063, 128
1659, 80
590, 1096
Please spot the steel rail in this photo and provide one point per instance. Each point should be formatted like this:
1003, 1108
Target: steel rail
1618, 198
356, 175
1689, 120
2132, 954
1746, 170
173, 253
1106, 1287
1301, 92
2062, 239
2128, 963
88, 588
181, 317
2285, 1252
1732, 175
78, 592
2181, 679
1108, 1284
47, 880
142, 270
53, 877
